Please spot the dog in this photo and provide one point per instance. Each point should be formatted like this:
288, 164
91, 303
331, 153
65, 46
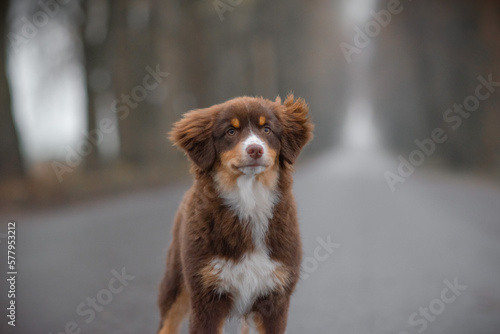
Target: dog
236, 249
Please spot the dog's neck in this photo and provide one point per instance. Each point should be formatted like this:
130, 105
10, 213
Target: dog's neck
252, 198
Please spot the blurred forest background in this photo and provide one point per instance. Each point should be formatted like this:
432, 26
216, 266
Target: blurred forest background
88, 89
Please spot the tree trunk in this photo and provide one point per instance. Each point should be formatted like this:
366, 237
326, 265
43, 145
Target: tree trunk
94, 52
139, 83
11, 164
489, 29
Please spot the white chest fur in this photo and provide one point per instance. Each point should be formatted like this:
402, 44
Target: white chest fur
254, 274
253, 203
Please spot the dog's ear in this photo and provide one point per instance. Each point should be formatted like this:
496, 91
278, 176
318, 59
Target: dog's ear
193, 134
297, 127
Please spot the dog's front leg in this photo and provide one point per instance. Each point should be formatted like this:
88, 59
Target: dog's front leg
273, 313
208, 313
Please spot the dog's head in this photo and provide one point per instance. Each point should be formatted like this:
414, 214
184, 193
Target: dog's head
244, 135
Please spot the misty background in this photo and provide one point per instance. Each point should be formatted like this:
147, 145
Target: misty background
405, 97
369, 78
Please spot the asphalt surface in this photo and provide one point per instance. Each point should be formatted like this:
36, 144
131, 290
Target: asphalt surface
422, 259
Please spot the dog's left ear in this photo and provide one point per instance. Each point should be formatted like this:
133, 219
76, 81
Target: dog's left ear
297, 127
193, 134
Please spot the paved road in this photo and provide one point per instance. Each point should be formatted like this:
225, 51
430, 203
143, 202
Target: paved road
422, 259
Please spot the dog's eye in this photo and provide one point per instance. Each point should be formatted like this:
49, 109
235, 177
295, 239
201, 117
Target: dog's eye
266, 130
231, 132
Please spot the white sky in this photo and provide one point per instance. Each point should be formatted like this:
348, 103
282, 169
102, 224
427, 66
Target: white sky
356, 11
48, 99
359, 131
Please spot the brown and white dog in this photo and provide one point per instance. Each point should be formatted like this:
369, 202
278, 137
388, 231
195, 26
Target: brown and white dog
236, 248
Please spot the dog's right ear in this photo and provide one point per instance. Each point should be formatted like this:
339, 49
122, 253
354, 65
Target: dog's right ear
193, 134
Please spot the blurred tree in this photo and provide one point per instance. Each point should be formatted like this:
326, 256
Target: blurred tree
428, 61
197, 49
489, 30
11, 164
139, 82
94, 37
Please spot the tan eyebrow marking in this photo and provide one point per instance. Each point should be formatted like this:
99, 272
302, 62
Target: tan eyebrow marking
236, 123
262, 120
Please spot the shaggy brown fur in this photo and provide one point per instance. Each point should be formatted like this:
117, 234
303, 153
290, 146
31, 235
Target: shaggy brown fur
207, 228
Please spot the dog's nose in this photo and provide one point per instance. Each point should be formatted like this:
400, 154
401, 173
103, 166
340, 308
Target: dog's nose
255, 151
